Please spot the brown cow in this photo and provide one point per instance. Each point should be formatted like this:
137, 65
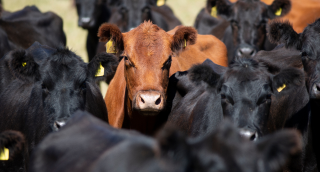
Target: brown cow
137, 93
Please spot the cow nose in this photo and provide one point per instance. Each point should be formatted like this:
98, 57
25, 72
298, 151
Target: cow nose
149, 101
316, 91
248, 134
59, 123
246, 51
84, 21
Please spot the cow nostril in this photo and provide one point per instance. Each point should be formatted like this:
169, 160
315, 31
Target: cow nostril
318, 87
59, 124
142, 100
158, 101
253, 137
251, 53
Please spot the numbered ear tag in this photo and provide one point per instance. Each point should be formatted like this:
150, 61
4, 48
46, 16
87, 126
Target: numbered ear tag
24, 64
281, 88
100, 71
185, 43
110, 48
4, 154
278, 12
160, 2
214, 12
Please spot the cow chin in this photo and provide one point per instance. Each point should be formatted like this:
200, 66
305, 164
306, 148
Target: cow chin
148, 103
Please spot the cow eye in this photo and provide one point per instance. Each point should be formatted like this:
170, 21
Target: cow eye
83, 86
227, 99
123, 10
45, 88
127, 61
146, 10
264, 99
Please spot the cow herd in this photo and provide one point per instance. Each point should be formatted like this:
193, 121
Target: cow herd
238, 92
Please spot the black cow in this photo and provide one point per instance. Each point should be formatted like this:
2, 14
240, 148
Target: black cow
42, 87
307, 43
14, 159
92, 13
115, 150
260, 98
246, 34
22, 28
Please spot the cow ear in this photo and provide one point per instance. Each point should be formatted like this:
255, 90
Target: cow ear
287, 79
277, 148
211, 7
12, 143
224, 8
282, 32
204, 73
102, 66
172, 143
111, 34
23, 66
157, 2
279, 8
183, 37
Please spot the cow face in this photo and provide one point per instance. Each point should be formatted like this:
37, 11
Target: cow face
88, 12
308, 43
147, 52
248, 19
62, 83
130, 14
247, 89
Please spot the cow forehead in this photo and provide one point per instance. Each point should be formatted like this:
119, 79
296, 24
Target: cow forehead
244, 10
135, 3
147, 42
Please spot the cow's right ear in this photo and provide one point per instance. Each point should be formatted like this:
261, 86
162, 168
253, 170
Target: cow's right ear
183, 37
282, 32
211, 7
12, 143
111, 33
102, 66
224, 8
23, 66
277, 148
205, 73
287, 80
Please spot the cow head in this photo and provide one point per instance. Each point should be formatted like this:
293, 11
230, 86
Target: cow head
89, 11
308, 43
62, 83
248, 19
147, 52
247, 89
130, 14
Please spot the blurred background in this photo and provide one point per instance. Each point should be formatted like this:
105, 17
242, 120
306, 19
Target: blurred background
185, 10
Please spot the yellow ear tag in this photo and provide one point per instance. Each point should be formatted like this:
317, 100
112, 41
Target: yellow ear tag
4, 154
214, 12
185, 43
278, 12
160, 2
281, 88
110, 47
24, 64
100, 71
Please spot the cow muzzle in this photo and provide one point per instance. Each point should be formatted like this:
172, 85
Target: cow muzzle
148, 102
315, 91
58, 124
245, 51
249, 134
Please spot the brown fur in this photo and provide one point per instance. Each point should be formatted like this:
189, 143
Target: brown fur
184, 33
108, 31
147, 49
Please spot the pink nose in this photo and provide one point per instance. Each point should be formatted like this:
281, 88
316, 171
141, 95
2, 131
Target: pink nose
151, 101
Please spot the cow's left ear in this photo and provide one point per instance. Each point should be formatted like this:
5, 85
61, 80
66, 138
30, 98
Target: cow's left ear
287, 79
279, 8
183, 37
23, 66
102, 66
157, 2
111, 34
